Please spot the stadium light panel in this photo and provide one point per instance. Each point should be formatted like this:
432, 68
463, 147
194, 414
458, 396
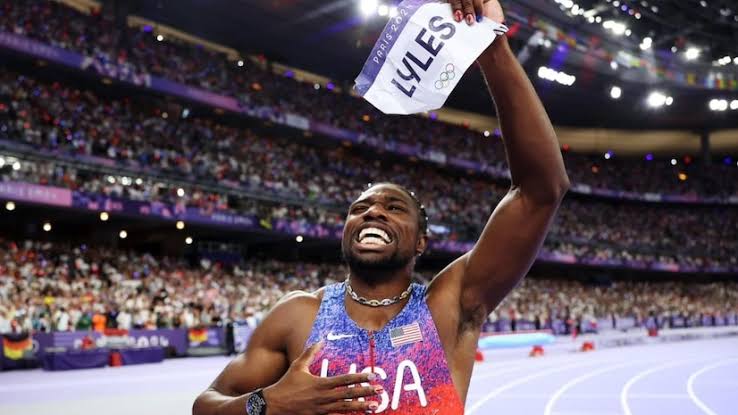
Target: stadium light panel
554, 75
180, 225
10, 206
616, 28
656, 99
123, 234
718, 104
104, 216
692, 54
47, 227
368, 7
188, 240
299, 238
734, 104
393, 12
383, 10
616, 92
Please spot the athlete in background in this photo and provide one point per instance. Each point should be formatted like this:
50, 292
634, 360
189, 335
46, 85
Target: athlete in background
402, 348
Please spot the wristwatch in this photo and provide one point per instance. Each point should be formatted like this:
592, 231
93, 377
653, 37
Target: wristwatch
256, 405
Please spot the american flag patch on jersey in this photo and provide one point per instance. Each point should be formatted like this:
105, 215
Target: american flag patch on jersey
406, 335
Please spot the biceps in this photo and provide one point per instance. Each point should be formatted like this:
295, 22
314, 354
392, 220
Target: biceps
506, 248
258, 367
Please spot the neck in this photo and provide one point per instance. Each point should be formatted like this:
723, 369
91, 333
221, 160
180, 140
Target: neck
380, 285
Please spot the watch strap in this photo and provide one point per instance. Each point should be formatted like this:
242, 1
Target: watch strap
256, 404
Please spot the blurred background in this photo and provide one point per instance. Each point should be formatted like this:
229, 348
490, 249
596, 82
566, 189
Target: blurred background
170, 169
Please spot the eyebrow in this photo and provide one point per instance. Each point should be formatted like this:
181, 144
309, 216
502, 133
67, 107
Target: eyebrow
389, 199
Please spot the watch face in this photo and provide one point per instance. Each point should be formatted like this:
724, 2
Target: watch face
255, 405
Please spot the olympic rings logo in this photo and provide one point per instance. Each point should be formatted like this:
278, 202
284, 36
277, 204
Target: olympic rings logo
447, 76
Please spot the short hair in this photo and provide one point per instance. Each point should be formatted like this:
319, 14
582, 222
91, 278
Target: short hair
422, 214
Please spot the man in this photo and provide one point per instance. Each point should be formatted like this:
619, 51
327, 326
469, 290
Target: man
377, 343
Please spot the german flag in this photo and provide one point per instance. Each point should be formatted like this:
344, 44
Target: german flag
198, 335
16, 346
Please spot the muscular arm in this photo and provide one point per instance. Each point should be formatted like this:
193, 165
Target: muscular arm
478, 281
262, 364
515, 232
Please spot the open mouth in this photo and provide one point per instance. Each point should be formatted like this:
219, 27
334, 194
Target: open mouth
373, 236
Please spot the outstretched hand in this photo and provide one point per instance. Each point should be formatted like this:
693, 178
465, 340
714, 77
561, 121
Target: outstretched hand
472, 10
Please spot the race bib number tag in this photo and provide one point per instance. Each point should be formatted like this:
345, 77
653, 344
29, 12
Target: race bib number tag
420, 57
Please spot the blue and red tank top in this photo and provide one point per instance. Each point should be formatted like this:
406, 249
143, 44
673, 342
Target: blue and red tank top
406, 355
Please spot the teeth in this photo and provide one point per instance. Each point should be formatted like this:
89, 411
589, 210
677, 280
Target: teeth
374, 232
372, 240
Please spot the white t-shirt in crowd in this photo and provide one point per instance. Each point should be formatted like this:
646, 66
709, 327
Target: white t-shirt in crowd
124, 320
62, 321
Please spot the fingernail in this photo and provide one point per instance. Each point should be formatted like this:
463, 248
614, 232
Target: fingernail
373, 405
378, 389
371, 377
480, 18
459, 16
469, 19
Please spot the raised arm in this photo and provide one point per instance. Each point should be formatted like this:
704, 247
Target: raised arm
515, 232
516, 229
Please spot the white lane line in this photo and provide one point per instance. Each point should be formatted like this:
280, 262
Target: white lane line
520, 381
632, 381
568, 385
690, 384
112, 380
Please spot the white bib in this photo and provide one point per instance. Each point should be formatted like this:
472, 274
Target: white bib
420, 57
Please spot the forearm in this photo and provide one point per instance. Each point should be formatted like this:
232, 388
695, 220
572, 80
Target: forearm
533, 154
212, 402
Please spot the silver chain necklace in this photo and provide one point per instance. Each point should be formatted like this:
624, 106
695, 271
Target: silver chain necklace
377, 303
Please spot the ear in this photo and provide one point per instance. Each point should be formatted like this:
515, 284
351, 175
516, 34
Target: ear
421, 245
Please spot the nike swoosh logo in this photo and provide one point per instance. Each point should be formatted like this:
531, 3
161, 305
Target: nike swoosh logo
333, 337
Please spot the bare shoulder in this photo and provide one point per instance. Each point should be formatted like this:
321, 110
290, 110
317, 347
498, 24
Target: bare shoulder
291, 320
301, 299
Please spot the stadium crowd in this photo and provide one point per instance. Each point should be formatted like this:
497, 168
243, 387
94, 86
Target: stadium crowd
316, 183
542, 300
258, 87
47, 286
